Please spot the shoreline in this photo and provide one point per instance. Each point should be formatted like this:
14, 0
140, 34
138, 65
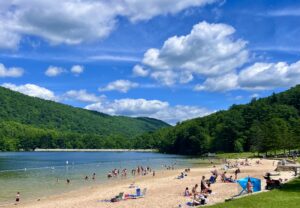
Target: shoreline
163, 190
95, 150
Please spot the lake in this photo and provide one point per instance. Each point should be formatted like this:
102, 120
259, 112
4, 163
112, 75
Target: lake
38, 174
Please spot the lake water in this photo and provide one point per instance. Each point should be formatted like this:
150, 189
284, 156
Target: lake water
38, 174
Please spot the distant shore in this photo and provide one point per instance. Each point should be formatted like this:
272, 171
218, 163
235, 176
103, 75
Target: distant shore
95, 150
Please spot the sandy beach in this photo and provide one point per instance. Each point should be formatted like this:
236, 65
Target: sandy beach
163, 190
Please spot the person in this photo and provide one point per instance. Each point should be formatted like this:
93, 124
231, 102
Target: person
94, 176
215, 171
68, 181
109, 175
18, 197
236, 172
187, 192
200, 199
203, 184
249, 186
194, 190
230, 179
153, 173
208, 189
86, 178
223, 177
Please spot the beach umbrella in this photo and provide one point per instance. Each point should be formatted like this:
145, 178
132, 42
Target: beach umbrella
255, 182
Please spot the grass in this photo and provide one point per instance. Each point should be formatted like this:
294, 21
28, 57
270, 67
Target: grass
236, 155
288, 196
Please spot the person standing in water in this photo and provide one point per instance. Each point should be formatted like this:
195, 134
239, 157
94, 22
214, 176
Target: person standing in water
18, 197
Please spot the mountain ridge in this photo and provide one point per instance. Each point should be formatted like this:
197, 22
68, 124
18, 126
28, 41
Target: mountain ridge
22, 111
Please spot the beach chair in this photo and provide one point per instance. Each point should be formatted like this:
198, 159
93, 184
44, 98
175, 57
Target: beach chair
141, 195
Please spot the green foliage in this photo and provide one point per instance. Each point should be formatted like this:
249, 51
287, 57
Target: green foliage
264, 125
28, 123
287, 196
236, 155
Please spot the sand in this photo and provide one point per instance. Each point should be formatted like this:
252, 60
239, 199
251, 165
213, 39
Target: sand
163, 190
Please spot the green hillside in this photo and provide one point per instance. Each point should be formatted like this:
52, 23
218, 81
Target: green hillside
23, 117
264, 125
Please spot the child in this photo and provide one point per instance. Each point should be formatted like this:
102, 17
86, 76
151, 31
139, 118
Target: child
187, 192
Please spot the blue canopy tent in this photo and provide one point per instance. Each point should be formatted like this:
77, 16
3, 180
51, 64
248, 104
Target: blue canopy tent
255, 182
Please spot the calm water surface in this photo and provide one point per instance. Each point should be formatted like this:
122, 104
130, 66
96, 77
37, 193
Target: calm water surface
38, 174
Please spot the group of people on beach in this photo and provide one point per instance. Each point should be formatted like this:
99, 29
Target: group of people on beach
199, 197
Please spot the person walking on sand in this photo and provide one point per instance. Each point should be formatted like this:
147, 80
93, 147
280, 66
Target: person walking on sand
18, 197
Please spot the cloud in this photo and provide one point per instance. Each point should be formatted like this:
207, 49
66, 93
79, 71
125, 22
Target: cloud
113, 58
74, 22
119, 85
83, 96
144, 10
139, 71
77, 69
283, 12
255, 95
8, 39
222, 83
258, 76
54, 71
10, 72
149, 108
32, 90
269, 75
208, 50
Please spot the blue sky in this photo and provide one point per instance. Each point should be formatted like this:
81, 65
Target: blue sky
171, 61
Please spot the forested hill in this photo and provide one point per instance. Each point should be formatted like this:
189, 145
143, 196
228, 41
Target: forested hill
263, 125
32, 119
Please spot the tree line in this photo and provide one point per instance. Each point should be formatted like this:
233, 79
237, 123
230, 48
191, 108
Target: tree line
265, 125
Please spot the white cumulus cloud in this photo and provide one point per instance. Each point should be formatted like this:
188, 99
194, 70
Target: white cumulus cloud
83, 96
32, 90
258, 76
149, 108
269, 75
139, 71
77, 69
222, 83
119, 85
208, 50
10, 72
77, 21
54, 71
